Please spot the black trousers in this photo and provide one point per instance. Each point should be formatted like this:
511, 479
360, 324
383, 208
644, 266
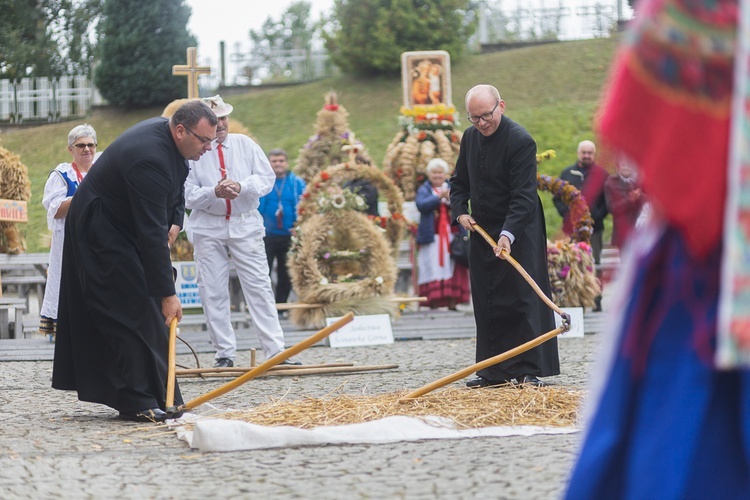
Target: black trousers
277, 248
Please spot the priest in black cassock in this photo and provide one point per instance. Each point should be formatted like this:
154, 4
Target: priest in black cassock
496, 176
117, 294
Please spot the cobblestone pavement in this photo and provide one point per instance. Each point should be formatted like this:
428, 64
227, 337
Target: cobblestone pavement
52, 445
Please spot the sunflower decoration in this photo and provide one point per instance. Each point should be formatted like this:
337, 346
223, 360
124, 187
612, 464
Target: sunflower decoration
340, 258
427, 132
570, 264
317, 197
328, 146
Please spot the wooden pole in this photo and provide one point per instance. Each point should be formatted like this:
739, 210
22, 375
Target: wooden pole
513, 262
171, 365
252, 357
241, 369
305, 370
481, 365
507, 354
262, 368
286, 306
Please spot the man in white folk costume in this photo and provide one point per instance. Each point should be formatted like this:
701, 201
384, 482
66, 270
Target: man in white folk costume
223, 190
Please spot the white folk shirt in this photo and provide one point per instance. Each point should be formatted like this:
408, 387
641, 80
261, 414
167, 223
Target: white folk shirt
55, 193
245, 163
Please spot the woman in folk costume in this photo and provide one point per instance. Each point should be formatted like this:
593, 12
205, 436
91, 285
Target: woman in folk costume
443, 281
61, 185
669, 415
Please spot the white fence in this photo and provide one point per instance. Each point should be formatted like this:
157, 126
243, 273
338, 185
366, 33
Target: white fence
527, 20
44, 99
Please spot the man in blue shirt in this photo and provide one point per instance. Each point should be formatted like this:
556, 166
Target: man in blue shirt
279, 211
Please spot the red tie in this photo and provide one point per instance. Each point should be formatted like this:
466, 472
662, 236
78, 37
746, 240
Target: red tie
443, 230
223, 170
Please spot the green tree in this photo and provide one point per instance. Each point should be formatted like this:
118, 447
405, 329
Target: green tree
47, 37
294, 30
367, 37
140, 41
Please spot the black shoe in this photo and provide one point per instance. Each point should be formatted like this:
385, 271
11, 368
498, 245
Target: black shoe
149, 415
291, 362
531, 380
223, 363
597, 304
480, 381
176, 414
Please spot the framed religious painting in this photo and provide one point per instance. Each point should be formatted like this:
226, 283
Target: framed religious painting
426, 78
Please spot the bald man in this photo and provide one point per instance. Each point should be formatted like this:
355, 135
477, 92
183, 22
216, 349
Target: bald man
496, 172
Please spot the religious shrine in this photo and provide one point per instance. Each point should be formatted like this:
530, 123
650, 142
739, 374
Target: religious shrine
428, 120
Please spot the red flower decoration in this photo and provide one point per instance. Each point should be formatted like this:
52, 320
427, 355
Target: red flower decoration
324, 175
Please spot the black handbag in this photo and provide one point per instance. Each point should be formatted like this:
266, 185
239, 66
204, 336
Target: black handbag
459, 247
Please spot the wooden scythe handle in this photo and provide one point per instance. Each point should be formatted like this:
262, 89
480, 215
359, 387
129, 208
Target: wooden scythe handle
263, 367
513, 262
481, 365
171, 366
507, 354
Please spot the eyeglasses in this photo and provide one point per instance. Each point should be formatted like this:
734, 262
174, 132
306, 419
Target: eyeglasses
202, 139
82, 146
486, 117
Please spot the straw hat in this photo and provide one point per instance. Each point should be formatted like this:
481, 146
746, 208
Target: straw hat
217, 104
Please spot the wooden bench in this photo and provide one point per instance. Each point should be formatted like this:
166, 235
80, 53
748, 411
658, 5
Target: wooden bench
25, 261
24, 272
14, 329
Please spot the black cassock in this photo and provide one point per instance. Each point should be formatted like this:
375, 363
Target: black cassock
112, 342
498, 175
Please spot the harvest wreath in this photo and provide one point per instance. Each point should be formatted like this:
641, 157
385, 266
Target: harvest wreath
570, 264
329, 144
339, 258
427, 132
315, 197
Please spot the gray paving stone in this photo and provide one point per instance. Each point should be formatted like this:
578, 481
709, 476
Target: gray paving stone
53, 446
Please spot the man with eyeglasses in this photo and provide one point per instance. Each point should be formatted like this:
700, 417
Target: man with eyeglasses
223, 192
494, 186
117, 294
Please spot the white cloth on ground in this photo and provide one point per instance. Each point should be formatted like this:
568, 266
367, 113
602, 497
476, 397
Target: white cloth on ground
217, 434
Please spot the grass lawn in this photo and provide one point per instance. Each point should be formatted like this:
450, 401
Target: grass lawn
553, 90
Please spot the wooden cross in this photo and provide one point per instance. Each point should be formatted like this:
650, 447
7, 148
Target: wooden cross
192, 71
351, 148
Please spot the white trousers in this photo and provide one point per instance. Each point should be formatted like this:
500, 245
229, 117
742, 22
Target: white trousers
212, 263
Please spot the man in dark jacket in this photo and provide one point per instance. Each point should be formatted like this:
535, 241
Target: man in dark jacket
589, 179
496, 172
117, 294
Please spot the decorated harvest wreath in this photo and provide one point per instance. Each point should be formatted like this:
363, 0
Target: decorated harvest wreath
317, 192
570, 264
327, 146
341, 258
14, 185
427, 132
